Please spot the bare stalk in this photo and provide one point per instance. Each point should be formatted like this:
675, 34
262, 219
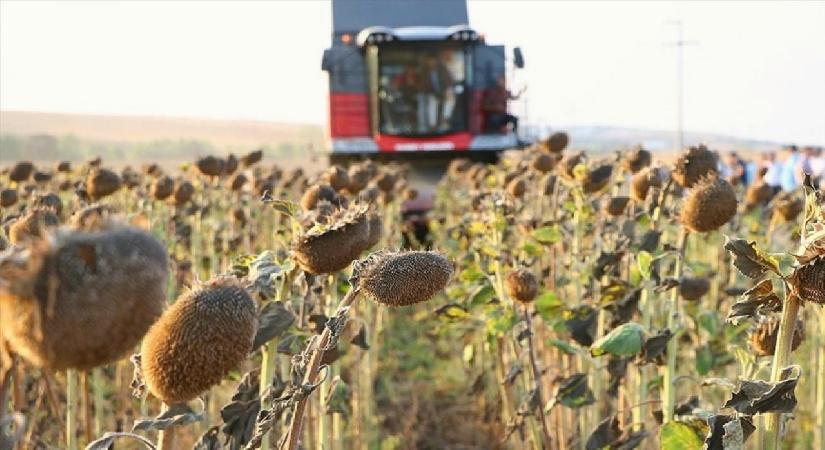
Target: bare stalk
312, 371
673, 313
71, 409
536, 378
781, 359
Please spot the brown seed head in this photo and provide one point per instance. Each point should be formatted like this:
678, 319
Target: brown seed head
80, 300
693, 165
543, 162
328, 248
808, 281
597, 179
162, 188
636, 159
206, 333
557, 142
402, 278
359, 178
42, 176
568, 163
64, 167
616, 205
692, 289
184, 191
386, 181
230, 164
710, 203
336, 177
8, 197
252, 158
21, 171
238, 182
516, 187
787, 206
49, 201
317, 193
521, 285
758, 194
458, 167
93, 217
102, 182
211, 166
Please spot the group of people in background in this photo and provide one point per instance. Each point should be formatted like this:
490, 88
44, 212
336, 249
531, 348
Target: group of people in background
783, 170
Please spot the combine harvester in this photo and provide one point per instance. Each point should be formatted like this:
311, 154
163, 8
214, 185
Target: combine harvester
410, 80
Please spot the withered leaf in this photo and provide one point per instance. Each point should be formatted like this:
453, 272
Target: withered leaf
759, 299
655, 347
240, 414
617, 369
573, 392
750, 260
687, 406
727, 432
177, 415
606, 262
317, 322
581, 322
629, 440
273, 320
649, 241
604, 435
209, 440
360, 339
757, 396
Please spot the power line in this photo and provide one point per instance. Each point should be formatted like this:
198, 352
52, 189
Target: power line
680, 45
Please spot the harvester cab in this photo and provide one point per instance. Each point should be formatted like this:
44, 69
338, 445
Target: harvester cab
411, 80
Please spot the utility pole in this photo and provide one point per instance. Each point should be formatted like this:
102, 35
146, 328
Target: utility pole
680, 44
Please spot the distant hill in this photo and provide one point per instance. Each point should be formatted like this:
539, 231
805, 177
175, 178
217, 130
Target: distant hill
219, 132
52, 136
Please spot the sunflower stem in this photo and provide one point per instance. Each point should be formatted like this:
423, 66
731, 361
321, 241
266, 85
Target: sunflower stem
312, 370
673, 315
71, 409
781, 359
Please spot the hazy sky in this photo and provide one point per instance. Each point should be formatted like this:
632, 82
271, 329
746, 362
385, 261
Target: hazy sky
757, 69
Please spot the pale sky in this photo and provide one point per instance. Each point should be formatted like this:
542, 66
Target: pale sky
757, 69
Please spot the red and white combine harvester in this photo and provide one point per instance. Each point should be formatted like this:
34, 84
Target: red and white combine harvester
411, 80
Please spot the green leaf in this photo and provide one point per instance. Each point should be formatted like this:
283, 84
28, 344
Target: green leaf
645, 260
550, 234
482, 295
501, 322
562, 345
679, 436
709, 321
471, 273
531, 249
624, 340
548, 306
284, 207
704, 360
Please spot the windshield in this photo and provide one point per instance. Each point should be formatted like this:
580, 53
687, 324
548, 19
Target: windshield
421, 89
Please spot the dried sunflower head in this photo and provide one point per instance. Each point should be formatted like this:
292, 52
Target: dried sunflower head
521, 285
710, 203
693, 165
402, 278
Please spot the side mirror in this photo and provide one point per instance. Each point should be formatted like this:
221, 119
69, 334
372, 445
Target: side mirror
518, 57
326, 61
